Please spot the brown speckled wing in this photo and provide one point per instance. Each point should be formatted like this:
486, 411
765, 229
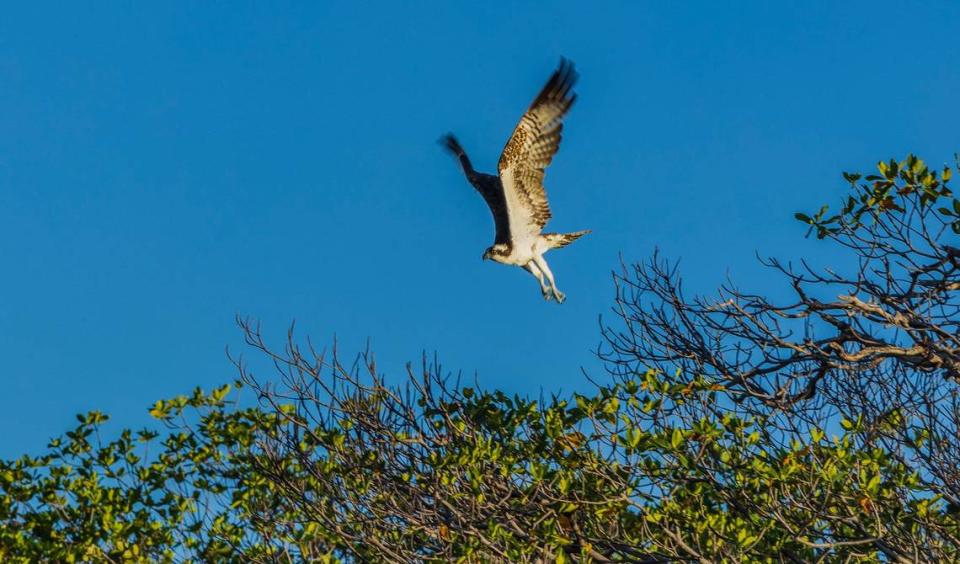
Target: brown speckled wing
531, 148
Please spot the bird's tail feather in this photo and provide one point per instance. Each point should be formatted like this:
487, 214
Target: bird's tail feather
557, 240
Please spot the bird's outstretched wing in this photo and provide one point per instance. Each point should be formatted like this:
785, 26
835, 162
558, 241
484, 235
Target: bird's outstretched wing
487, 184
530, 150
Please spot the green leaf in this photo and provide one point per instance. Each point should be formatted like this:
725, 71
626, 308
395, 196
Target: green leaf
676, 440
221, 392
159, 410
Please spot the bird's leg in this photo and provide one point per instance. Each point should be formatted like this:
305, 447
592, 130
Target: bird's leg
531, 267
542, 265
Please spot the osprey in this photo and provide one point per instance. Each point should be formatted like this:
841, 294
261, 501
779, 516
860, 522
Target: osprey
516, 196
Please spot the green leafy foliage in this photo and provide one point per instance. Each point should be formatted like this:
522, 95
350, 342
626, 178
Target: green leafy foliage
909, 183
565, 478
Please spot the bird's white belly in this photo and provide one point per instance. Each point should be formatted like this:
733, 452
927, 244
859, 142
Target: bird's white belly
521, 254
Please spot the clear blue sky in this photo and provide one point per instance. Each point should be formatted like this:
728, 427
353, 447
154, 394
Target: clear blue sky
164, 168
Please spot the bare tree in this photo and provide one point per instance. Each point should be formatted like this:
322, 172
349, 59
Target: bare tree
872, 346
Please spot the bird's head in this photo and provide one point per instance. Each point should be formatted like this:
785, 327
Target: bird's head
496, 252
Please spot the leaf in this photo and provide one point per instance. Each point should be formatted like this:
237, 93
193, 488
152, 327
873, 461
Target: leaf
159, 410
571, 441
741, 537
677, 438
221, 392
891, 169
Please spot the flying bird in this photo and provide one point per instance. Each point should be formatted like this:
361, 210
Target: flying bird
516, 196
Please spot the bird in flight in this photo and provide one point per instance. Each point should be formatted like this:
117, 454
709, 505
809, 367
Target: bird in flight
516, 196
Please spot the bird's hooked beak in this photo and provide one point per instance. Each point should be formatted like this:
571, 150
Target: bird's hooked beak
486, 254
